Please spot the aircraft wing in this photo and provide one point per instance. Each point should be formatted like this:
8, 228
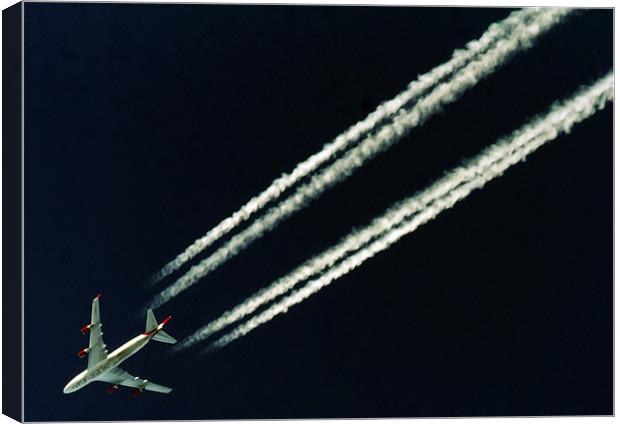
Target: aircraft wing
96, 347
123, 378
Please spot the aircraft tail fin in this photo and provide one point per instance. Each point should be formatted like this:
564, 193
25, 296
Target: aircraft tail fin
164, 337
152, 326
151, 322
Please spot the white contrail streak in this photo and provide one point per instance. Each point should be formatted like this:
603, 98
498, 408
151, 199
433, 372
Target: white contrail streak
386, 136
317, 264
387, 109
491, 163
394, 216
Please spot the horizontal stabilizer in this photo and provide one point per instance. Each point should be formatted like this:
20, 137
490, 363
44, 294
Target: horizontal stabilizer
164, 337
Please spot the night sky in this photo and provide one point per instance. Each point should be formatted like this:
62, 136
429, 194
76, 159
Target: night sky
145, 125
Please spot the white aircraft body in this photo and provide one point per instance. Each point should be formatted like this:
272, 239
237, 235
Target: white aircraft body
104, 367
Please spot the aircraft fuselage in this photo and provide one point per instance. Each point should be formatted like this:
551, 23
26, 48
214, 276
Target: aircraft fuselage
113, 360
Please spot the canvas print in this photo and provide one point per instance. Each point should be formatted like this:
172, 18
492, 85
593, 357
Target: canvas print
297, 211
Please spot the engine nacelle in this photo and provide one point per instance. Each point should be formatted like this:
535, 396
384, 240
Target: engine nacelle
86, 329
82, 352
112, 389
136, 392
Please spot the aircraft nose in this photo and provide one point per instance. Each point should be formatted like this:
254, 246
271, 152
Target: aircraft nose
67, 388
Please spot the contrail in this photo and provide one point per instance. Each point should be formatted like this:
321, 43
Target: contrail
491, 163
415, 89
386, 136
353, 242
394, 216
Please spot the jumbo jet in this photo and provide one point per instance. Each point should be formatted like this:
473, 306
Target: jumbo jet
104, 367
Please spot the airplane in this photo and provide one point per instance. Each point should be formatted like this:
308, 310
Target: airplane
104, 367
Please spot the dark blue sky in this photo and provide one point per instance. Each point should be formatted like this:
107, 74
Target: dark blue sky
147, 124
